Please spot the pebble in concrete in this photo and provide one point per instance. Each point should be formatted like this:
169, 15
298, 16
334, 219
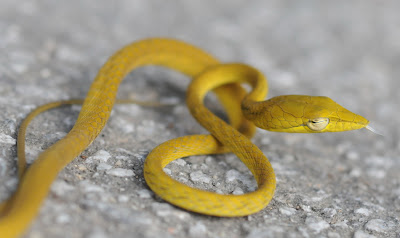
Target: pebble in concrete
316, 224
119, 172
377, 225
100, 156
6, 139
200, 177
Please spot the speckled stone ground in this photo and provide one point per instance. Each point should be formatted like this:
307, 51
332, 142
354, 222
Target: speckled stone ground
330, 185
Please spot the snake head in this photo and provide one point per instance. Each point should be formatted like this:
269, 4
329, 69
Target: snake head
307, 114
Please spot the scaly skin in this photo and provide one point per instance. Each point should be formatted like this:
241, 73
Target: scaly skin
284, 113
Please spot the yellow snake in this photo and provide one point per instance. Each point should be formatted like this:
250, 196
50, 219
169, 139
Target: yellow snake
292, 113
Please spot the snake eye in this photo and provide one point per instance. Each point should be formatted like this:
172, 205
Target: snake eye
318, 124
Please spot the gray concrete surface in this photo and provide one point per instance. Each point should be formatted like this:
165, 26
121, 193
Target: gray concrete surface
330, 185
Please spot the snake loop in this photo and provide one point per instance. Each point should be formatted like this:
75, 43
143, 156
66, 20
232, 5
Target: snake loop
290, 113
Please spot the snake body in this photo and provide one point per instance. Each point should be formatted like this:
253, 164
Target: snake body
291, 113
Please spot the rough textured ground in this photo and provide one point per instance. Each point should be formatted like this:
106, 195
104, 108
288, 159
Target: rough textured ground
330, 185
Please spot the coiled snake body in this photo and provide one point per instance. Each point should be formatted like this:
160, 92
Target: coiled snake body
292, 113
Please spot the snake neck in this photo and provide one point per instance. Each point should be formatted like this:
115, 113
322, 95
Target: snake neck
256, 111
